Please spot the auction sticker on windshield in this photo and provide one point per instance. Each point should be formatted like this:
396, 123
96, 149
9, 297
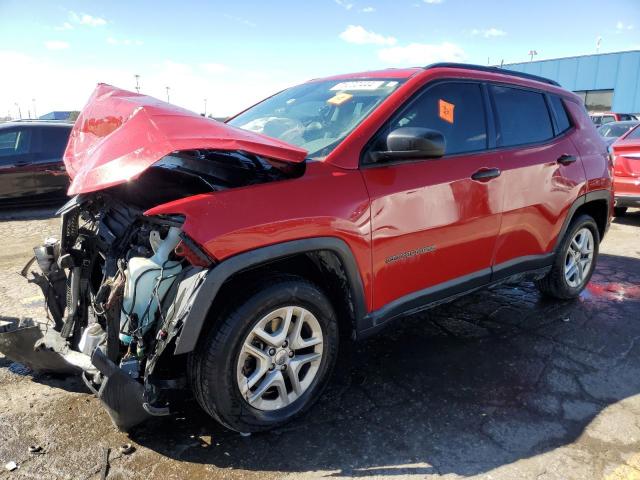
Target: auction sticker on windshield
359, 85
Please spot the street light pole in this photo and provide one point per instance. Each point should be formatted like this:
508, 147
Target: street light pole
167, 88
205, 107
532, 53
19, 111
35, 115
137, 82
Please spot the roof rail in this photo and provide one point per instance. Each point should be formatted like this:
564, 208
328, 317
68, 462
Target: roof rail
38, 120
502, 71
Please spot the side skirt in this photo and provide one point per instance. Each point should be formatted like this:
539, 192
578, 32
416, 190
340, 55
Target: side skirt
531, 267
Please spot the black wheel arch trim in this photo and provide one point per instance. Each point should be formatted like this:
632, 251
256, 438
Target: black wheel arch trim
220, 273
592, 196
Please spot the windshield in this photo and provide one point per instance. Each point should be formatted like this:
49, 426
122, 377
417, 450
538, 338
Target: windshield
616, 130
316, 116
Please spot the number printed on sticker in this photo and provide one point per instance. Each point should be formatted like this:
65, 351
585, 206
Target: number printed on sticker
358, 85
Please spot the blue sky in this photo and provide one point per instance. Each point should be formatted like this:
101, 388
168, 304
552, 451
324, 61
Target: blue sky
234, 53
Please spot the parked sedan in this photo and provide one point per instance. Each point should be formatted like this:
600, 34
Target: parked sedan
626, 171
611, 131
601, 118
31, 166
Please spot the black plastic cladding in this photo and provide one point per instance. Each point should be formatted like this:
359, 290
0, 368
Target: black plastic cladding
502, 71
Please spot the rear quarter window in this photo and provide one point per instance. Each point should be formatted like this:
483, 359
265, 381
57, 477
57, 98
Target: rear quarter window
523, 116
562, 119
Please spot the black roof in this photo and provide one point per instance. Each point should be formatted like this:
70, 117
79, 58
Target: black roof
502, 71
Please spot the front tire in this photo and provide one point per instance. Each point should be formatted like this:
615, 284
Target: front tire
575, 261
268, 359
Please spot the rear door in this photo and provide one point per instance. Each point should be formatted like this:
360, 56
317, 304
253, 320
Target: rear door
16, 161
433, 227
542, 175
48, 144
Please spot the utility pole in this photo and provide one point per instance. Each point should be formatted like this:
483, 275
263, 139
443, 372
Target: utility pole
532, 53
19, 111
167, 88
35, 115
137, 82
205, 107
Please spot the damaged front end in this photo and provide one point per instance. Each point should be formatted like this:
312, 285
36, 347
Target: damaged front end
111, 285
119, 284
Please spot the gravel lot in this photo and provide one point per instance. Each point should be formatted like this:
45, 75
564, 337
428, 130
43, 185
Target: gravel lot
502, 385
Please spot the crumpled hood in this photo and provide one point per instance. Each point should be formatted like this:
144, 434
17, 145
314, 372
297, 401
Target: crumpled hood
120, 134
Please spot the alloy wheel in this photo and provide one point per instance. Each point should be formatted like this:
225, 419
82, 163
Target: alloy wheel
579, 258
280, 358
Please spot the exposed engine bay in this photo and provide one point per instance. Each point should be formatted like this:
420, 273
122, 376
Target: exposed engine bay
117, 284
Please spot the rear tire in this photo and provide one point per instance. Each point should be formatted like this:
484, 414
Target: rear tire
619, 211
575, 260
247, 344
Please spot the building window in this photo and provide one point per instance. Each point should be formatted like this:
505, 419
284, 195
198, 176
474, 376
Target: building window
596, 100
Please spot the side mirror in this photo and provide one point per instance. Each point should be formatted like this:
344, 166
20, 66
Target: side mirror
410, 143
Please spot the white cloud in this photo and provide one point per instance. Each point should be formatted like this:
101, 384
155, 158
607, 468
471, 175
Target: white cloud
68, 87
64, 26
489, 32
56, 45
86, 19
433, 2
368, 10
361, 36
417, 54
621, 26
123, 41
345, 5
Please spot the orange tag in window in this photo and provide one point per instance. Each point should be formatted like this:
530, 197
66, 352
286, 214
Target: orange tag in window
340, 98
446, 110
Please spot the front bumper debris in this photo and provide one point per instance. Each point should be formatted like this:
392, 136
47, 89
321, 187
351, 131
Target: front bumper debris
23, 340
120, 394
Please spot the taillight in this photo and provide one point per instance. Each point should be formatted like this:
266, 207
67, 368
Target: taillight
192, 252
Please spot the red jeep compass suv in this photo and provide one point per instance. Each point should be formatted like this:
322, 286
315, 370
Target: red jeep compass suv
233, 258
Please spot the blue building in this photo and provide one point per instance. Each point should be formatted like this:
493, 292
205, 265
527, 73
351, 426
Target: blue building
57, 115
606, 82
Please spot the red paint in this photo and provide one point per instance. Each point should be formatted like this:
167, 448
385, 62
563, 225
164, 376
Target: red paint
379, 212
613, 291
120, 134
626, 170
431, 203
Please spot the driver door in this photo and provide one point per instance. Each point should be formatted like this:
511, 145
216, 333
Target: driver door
434, 226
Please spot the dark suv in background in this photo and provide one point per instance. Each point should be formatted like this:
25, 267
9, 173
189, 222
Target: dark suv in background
31, 166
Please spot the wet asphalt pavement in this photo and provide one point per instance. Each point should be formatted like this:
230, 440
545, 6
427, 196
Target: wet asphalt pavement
502, 384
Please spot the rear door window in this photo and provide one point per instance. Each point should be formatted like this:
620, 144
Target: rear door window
455, 109
523, 116
53, 141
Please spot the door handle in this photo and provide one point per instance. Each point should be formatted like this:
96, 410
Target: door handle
486, 174
566, 159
